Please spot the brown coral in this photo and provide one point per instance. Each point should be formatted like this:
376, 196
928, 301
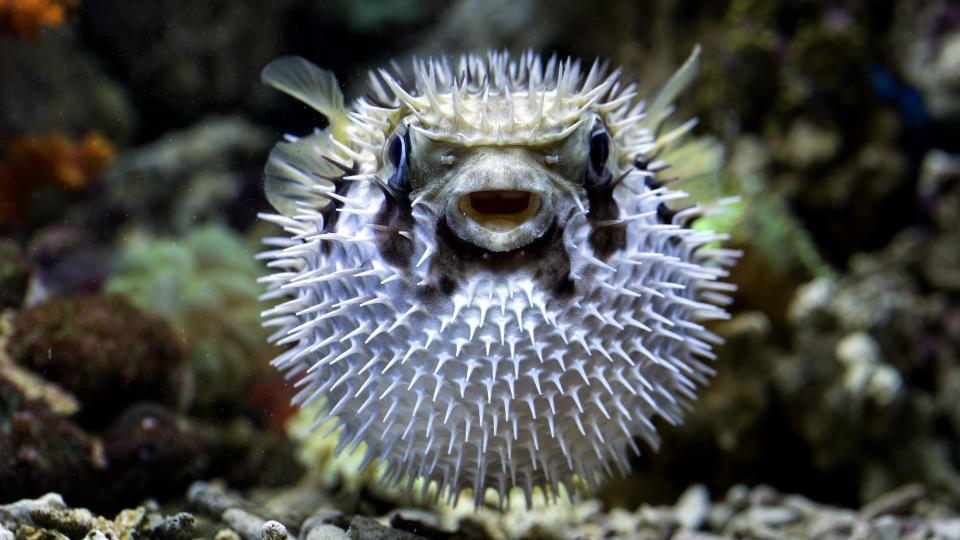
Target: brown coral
25, 18
34, 162
104, 350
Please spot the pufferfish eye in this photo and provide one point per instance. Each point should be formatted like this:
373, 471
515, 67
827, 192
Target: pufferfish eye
398, 152
597, 173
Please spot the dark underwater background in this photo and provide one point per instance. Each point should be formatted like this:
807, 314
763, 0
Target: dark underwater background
136, 399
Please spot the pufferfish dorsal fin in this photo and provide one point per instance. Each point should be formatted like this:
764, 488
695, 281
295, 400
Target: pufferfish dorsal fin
661, 105
295, 173
299, 78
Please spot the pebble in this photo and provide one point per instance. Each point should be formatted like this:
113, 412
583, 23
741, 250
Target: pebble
364, 528
319, 518
773, 516
182, 526
898, 501
247, 525
886, 528
693, 507
20, 511
327, 532
210, 499
273, 530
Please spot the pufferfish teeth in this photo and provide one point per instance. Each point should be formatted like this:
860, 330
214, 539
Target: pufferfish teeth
494, 324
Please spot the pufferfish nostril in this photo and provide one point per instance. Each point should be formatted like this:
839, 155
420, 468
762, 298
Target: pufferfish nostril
500, 210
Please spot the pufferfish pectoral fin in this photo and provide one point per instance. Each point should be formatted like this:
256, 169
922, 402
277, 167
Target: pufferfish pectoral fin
296, 172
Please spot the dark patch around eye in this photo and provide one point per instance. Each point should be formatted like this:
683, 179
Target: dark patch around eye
398, 152
397, 216
599, 151
396, 213
607, 239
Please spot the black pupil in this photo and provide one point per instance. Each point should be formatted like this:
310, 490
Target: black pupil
395, 152
599, 150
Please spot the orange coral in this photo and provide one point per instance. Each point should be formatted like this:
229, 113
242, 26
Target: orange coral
32, 162
24, 18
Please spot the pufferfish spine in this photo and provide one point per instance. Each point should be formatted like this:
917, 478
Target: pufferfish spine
484, 278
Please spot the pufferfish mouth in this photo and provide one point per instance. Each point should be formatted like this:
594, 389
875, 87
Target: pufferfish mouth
500, 220
500, 210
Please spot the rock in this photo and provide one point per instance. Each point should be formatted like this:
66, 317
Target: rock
273, 530
182, 526
772, 516
364, 528
247, 525
211, 499
326, 532
20, 512
896, 502
693, 507
929, 59
321, 517
867, 375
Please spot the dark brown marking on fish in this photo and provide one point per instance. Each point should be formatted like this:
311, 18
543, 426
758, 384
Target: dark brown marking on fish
604, 239
666, 214
456, 259
397, 215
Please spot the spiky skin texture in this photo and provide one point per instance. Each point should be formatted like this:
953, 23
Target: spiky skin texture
474, 360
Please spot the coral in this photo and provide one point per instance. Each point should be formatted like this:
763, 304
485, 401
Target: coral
41, 450
49, 518
66, 260
55, 159
56, 84
148, 438
14, 274
204, 285
24, 18
196, 175
184, 58
101, 348
30, 385
31, 163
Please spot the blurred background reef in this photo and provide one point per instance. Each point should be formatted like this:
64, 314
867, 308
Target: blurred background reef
134, 376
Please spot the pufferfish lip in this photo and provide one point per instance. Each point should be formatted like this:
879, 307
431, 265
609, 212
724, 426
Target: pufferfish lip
500, 220
500, 210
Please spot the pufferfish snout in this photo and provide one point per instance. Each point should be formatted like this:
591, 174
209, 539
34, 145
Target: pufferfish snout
486, 277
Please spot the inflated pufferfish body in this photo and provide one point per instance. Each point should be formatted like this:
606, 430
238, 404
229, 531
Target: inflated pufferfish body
483, 278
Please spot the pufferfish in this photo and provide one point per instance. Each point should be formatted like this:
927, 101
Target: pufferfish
485, 278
